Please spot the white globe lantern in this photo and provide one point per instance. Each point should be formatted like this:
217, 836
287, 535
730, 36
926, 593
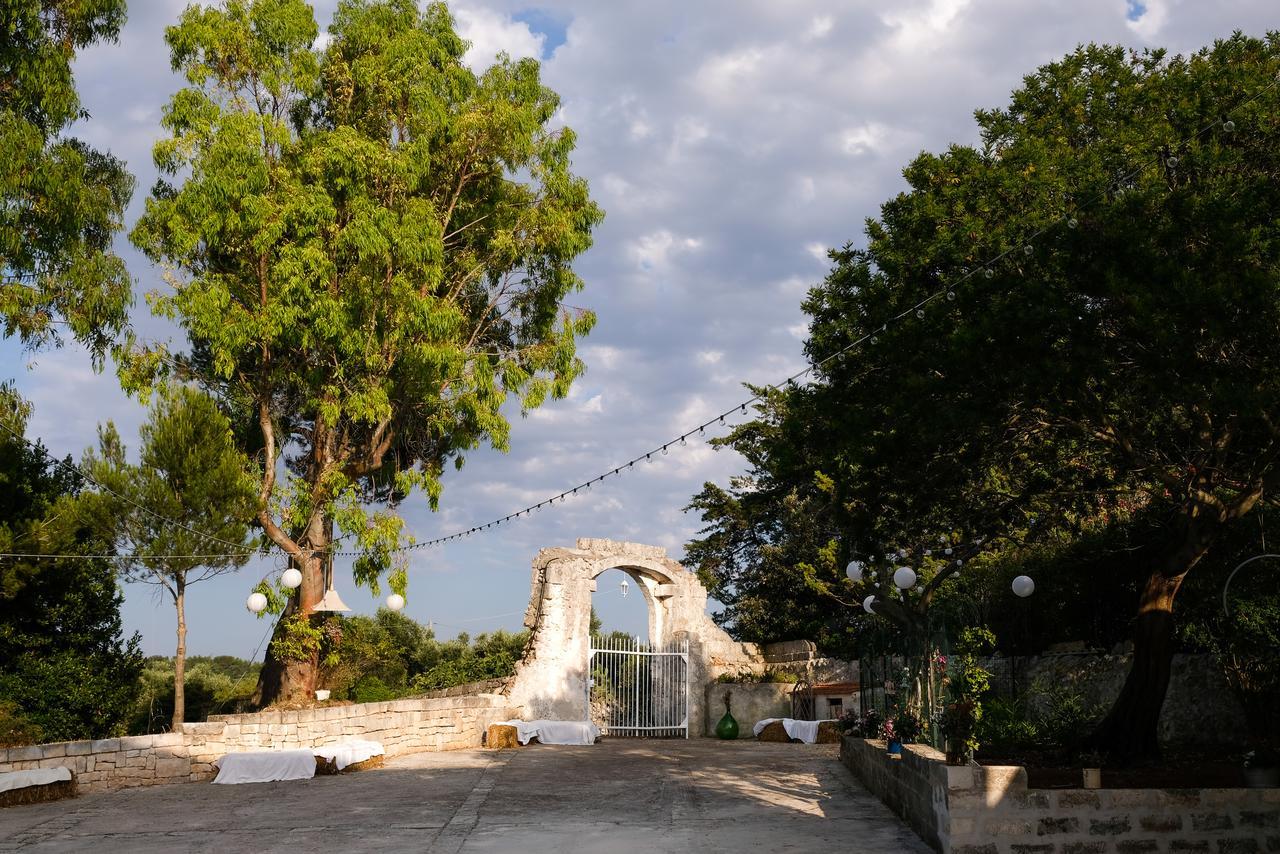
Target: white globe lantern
291, 578
854, 571
1023, 586
904, 577
256, 603
867, 603
395, 601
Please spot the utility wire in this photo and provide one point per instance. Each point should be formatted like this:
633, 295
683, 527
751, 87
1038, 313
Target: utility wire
987, 269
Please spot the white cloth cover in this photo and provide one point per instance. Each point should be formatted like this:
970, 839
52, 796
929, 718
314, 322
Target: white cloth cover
34, 777
806, 731
555, 732
346, 753
265, 766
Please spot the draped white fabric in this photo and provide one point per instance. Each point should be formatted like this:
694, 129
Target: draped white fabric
349, 752
806, 731
265, 766
555, 732
34, 777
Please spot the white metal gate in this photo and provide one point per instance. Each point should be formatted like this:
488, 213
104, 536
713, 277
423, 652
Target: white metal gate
635, 689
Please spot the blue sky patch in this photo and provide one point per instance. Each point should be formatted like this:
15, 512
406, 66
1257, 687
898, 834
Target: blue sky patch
551, 25
1136, 9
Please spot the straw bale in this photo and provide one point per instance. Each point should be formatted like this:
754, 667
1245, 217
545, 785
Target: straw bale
39, 794
775, 733
829, 732
501, 736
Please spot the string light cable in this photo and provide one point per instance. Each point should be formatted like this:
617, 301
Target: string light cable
1025, 245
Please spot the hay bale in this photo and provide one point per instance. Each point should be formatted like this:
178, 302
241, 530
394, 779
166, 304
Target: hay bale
829, 732
501, 737
371, 762
774, 732
39, 794
329, 767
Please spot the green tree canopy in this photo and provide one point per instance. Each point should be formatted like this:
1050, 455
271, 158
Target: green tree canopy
60, 200
63, 659
185, 508
369, 247
1119, 354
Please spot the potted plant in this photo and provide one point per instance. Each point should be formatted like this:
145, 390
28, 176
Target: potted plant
959, 726
890, 735
908, 727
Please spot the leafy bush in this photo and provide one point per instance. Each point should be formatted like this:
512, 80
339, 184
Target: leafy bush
213, 685
371, 689
16, 729
760, 677
1004, 726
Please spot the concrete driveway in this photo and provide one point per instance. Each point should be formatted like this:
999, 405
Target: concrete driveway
619, 795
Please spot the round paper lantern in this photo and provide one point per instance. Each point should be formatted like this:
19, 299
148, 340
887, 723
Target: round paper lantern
1023, 586
904, 577
256, 603
291, 578
867, 603
395, 601
854, 571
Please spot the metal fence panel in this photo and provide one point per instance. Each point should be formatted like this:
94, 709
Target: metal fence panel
638, 690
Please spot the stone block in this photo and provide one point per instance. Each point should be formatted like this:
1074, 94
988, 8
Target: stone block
1137, 846
1113, 826
106, 745
1253, 818
79, 748
1189, 846
1051, 825
1007, 827
1209, 821
1238, 846
133, 743
1180, 797
1161, 823
988, 848
1084, 848
173, 766
1076, 798
1122, 798
26, 754
1028, 848
53, 751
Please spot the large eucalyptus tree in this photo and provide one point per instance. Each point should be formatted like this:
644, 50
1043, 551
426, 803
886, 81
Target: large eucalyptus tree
368, 246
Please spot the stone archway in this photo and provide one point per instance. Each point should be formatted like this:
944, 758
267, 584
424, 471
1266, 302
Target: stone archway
551, 680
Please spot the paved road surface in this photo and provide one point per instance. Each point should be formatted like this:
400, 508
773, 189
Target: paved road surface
620, 795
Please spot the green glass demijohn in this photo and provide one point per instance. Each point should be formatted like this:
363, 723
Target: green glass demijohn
728, 727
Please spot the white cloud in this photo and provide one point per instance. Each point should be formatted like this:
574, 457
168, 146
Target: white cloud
1151, 21
654, 251
821, 26
491, 33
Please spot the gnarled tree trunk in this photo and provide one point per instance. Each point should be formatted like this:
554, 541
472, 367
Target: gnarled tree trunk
290, 679
1130, 731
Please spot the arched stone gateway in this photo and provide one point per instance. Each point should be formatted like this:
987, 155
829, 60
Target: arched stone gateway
551, 680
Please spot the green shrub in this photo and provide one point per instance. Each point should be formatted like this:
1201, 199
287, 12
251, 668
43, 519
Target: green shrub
371, 689
16, 729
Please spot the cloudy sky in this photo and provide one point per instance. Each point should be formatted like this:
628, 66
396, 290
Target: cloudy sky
731, 143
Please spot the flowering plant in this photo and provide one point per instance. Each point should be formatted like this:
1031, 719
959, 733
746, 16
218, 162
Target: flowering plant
887, 731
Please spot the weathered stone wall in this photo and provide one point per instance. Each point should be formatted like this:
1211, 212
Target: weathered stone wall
990, 810
551, 678
914, 786
750, 702
427, 723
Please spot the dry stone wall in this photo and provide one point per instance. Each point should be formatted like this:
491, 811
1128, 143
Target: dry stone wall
990, 810
429, 723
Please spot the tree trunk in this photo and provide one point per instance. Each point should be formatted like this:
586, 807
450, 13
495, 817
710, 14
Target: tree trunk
1130, 730
180, 660
285, 680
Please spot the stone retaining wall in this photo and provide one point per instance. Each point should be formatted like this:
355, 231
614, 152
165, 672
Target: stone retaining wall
990, 810
403, 726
